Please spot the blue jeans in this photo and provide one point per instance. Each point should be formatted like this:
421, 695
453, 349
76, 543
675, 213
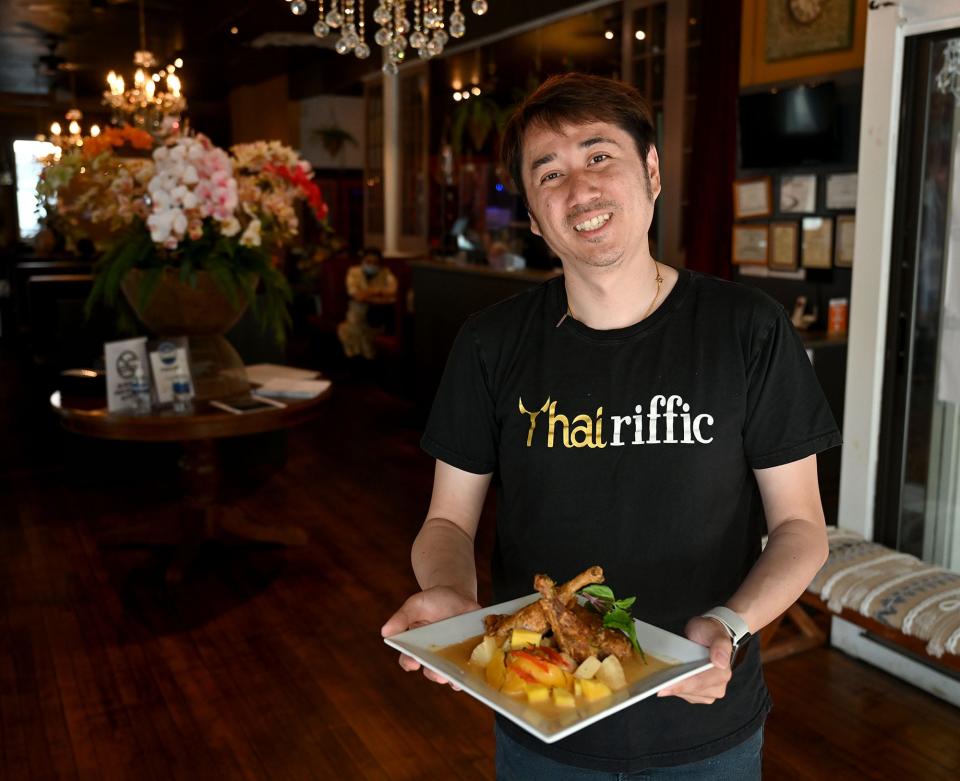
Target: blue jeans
740, 763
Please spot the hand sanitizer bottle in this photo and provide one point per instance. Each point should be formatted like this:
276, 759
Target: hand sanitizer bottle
141, 393
182, 396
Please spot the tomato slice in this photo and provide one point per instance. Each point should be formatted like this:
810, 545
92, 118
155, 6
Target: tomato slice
552, 656
532, 657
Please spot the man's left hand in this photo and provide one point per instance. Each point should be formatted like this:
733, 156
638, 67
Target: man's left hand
710, 685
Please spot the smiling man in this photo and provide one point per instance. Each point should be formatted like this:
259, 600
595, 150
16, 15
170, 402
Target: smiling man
654, 421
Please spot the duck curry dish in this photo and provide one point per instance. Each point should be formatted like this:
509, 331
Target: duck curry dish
576, 644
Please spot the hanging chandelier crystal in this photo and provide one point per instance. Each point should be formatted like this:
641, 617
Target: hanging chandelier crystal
147, 104
427, 31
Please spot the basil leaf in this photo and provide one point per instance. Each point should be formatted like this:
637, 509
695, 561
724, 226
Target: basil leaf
601, 592
620, 619
615, 612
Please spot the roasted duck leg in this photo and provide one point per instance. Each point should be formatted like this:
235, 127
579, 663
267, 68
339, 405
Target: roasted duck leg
578, 631
532, 616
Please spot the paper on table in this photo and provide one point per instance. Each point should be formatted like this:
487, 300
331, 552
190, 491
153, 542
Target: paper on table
292, 389
260, 373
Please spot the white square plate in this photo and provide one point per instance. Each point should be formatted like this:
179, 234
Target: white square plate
424, 642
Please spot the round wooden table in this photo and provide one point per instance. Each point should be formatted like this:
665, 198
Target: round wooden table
203, 517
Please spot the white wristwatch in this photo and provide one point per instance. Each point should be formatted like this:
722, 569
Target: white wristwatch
736, 627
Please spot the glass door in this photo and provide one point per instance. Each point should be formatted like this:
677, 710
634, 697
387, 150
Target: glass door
919, 467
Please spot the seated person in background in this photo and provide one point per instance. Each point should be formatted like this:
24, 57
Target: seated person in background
369, 283
500, 257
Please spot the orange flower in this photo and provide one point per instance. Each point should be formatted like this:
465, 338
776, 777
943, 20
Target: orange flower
113, 137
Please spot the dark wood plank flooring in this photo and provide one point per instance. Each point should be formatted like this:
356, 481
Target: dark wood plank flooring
267, 663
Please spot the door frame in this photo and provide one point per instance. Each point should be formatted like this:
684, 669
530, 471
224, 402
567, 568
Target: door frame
889, 24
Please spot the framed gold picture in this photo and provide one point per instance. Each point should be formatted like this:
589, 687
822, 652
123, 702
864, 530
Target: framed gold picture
750, 244
782, 40
752, 198
817, 242
846, 227
783, 244
796, 28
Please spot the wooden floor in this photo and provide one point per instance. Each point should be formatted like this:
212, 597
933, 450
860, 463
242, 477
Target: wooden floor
268, 663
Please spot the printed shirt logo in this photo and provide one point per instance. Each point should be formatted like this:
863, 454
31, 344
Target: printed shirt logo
667, 421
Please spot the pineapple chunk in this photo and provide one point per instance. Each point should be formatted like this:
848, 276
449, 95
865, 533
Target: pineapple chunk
496, 670
537, 693
588, 668
483, 653
594, 690
577, 688
520, 638
513, 683
611, 673
563, 699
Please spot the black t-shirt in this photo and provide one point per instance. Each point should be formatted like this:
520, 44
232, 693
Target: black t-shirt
633, 449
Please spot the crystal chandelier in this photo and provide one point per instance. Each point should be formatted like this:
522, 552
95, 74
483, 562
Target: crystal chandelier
427, 31
147, 104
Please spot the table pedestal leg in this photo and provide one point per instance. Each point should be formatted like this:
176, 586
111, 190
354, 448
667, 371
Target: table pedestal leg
203, 518
200, 478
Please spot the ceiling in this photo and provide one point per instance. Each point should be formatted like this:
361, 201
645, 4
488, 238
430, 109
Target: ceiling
53, 50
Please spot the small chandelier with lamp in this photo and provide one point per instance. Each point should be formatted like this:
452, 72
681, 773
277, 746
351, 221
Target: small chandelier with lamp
146, 104
74, 131
427, 32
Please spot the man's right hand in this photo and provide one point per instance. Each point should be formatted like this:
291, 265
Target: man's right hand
428, 606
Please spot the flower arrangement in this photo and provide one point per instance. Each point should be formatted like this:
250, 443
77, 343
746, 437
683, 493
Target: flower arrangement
90, 193
189, 207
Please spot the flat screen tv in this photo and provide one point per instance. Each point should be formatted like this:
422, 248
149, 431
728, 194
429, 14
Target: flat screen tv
797, 126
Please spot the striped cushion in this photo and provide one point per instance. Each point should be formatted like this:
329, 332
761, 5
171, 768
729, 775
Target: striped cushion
895, 589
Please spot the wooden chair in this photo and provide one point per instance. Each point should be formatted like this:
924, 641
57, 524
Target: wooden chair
57, 332
20, 278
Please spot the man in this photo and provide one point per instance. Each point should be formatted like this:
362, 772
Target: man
368, 283
632, 416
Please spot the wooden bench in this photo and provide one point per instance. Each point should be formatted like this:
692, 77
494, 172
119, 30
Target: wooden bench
891, 595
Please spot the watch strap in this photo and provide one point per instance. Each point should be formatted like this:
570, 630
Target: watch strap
736, 627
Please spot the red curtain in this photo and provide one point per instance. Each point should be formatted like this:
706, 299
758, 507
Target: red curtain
713, 162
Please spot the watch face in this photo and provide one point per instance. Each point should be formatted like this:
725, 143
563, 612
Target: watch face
805, 11
739, 652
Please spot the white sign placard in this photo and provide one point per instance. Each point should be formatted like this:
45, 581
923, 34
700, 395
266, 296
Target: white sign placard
169, 360
123, 360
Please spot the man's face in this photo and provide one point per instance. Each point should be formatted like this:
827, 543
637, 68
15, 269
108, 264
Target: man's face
588, 194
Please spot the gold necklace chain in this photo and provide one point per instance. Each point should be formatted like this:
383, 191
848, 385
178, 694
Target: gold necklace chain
569, 312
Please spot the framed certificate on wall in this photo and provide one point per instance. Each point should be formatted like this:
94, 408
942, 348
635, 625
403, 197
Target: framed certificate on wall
752, 198
846, 226
817, 242
783, 245
750, 244
841, 191
798, 194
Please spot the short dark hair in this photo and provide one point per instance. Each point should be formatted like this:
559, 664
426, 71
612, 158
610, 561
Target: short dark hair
375, 251
578, 99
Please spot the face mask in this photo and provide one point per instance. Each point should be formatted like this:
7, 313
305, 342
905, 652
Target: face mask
369, 271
